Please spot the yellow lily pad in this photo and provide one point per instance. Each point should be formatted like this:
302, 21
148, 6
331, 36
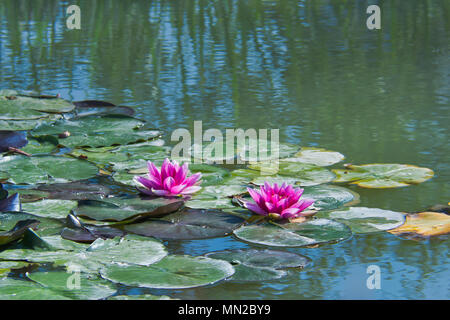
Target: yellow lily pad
424, 224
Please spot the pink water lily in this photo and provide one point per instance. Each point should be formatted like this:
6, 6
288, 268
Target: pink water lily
171, 180
278, 201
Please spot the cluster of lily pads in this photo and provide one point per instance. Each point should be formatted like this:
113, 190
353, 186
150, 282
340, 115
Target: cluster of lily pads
70, 200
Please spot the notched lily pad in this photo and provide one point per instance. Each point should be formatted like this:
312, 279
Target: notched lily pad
383, 175
366, 220
188, 224
424, 224
259, 265
123, 208
77, 231
46, 169
311, 232
172, 272
329, 197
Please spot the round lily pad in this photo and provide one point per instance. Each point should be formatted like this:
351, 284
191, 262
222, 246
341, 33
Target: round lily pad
50, 208
46, 169
383, 175
291, 172
98, 131
215, 197
74, 284
188, 224
11, 289
15, 107
424, 224
316, 156
366, 220
172, 272
118, 209
329, 197
312, 232
259, 265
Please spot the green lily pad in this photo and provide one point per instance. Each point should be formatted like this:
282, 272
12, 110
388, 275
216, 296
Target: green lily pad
47, 226
50, 208
311, 232
12, 203
215, 197
95, 107
366, 220
316, 156
46, 169
45, 145
11, 289
329, 197
18, 125
383, 175
77, 190
172, 272
188, 224
15, 107
96, 131
75, 284
259, 265
257, 150
291, 172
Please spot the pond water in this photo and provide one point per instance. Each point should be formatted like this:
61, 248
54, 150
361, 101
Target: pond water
311, 69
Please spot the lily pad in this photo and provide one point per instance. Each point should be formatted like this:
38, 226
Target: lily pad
140, 297
96, 131
96, 107
15, 107
75, 285
12, 203
383, 175
12, 139
17, 231
7, 266
188, 224
366, 220
46, 169
215, 197
172, 272
123, 208
259, 265
329, 197
77, 190
47, 226
11, 289
316, 156
50, 208
311, 232
424, 224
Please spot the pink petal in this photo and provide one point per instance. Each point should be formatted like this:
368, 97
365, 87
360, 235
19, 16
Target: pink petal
146, 182
153, 170
177, 189
255, 208
305, 204
181, 174
290, 213
169, 182
193, 179
161, 192
190, 190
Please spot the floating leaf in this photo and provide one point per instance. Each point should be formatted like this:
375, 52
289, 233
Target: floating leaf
424, 224
383, 175
77, 190
15, 107
14, 139
45, 169
259, 265
119, 209
316, 156
329, 197
7, 266
96, 131
89, 287
312, 232
17, 232
11, 289
50, 208
140, 297
215, 197
47, 226
366, 220
188, 224
172, 272
95, 107
12, 203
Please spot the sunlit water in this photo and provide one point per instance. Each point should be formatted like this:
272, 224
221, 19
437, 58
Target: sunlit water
309, 68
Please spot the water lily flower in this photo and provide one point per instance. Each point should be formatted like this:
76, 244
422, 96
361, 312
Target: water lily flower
171, 180
278, 201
